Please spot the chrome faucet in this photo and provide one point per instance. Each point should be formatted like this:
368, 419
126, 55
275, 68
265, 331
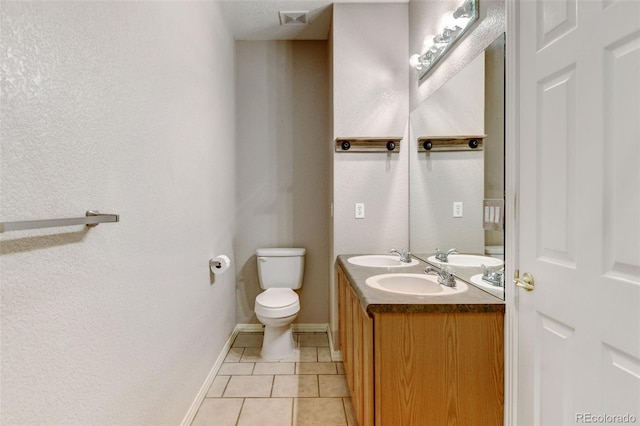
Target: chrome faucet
443, 256
445, 275
405, 256
493, 277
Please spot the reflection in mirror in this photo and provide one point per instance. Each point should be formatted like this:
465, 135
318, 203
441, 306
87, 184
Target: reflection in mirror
447, 189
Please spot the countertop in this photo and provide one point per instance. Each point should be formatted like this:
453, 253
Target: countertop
377, 301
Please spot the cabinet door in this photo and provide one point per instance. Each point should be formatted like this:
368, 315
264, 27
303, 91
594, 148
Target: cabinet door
356, 343
342, 312
363, 365
438, 369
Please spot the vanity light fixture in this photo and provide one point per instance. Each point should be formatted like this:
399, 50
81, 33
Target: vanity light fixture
435, 47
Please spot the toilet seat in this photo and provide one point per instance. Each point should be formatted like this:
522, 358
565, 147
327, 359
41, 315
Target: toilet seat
277, 303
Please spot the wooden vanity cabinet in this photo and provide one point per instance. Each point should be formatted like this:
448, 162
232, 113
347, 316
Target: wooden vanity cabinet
443, 368
356, 343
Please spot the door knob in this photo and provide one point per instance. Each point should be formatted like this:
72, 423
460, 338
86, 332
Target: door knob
525, 282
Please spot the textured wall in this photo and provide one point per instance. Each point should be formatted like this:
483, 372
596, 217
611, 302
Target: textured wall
370, 98
124, 107
282, 166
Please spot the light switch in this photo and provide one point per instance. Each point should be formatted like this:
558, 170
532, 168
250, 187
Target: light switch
457, 209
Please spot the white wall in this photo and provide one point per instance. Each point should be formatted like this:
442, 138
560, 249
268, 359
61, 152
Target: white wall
124, 107
370, 98
282, 166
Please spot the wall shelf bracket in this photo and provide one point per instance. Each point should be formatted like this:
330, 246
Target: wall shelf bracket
450, 143
383, 144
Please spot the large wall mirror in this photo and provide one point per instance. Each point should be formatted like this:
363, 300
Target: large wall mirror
447, 188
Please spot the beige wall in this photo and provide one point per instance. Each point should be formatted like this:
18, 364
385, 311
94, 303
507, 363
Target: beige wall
128, 108
282, 166
370, 98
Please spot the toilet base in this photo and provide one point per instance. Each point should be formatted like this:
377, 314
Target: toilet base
278, 339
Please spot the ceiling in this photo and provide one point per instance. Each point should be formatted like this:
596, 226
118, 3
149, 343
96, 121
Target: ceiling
260, 19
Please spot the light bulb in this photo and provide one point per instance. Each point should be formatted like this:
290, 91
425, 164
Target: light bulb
428, 43
464, 11
463, 22
415, 62
449, 21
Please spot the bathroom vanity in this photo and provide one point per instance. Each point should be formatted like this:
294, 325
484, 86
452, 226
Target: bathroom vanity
420, 360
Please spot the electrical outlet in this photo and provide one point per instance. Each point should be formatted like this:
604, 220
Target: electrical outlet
359, 210
457, 209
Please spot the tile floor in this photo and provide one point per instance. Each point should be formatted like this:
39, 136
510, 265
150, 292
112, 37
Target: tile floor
308, 389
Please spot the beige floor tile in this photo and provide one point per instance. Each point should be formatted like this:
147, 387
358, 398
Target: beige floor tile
318, 412
218, 412
217, 387
248, 340
324, 355
235, 368
251, 355
316, 368
304, 354
274, 368
333, 385
295, 386
234, 355
249, 387
350, 412
266, 412
313, 340
306, 389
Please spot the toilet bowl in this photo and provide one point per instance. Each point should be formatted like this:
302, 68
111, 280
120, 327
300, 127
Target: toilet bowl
280, 272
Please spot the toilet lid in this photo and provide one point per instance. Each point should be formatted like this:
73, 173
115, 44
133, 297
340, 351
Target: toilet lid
277, 298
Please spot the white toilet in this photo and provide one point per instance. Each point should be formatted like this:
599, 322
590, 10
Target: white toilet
494, 251
280, 272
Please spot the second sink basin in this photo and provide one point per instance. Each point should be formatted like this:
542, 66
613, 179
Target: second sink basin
495, 290
416, 284
380, 261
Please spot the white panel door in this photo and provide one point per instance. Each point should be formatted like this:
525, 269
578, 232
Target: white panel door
579, 211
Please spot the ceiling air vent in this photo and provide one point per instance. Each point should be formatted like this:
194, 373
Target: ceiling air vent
293, 18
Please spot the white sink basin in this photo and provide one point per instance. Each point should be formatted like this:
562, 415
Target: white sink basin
495, 290
380, 261
416, 284
468, 260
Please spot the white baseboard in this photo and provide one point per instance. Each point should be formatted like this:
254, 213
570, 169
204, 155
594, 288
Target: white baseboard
243, 328
249, 328
202, 393
310, 328
297, 328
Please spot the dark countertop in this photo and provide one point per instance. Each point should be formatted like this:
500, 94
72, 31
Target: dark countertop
377, 301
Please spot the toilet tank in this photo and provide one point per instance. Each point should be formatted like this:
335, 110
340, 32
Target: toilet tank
280, 267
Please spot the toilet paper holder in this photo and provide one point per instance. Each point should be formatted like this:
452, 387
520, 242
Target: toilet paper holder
219, 264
